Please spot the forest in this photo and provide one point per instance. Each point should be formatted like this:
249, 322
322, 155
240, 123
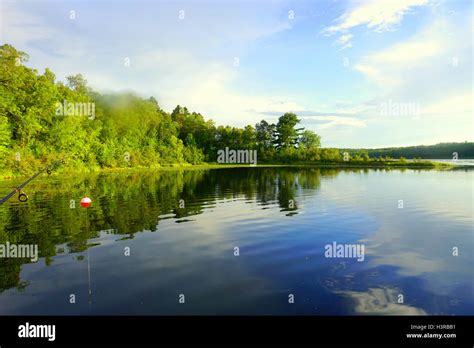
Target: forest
42, 119
439, 151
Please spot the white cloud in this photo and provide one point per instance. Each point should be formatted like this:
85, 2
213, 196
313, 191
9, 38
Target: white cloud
459, 103
344, 41
177, 77
375, 14
325, 122
388, 68
431, 69
420, 70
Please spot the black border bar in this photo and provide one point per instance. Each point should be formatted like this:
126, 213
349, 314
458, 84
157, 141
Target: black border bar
223, 330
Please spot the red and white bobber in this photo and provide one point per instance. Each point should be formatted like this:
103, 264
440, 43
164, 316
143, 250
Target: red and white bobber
86, 202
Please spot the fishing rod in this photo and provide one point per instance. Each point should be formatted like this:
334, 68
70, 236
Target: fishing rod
23, 197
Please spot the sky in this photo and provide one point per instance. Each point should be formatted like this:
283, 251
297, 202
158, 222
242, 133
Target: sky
373, 73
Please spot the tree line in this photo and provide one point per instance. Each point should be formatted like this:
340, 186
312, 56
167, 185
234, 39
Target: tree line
459, 151
42, 119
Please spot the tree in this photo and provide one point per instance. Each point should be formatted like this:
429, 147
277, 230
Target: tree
26, 98
309, 139
5, 136
265, 134
286, 133
78, 83
248, 137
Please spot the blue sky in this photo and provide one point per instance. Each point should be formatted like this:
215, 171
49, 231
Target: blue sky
359, 73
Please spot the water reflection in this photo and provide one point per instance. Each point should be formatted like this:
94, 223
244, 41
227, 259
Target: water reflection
383, 301
182, 227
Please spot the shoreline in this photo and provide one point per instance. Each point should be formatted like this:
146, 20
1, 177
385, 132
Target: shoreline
207, 166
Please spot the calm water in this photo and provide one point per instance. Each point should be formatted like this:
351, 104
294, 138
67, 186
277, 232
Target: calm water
279, 218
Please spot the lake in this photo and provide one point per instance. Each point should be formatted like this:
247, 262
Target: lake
242, 241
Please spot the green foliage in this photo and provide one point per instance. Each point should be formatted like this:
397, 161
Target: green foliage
286, 133
119, 130
309, 139
439, 151
42, 120
330, 155
5, 135
265, 135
